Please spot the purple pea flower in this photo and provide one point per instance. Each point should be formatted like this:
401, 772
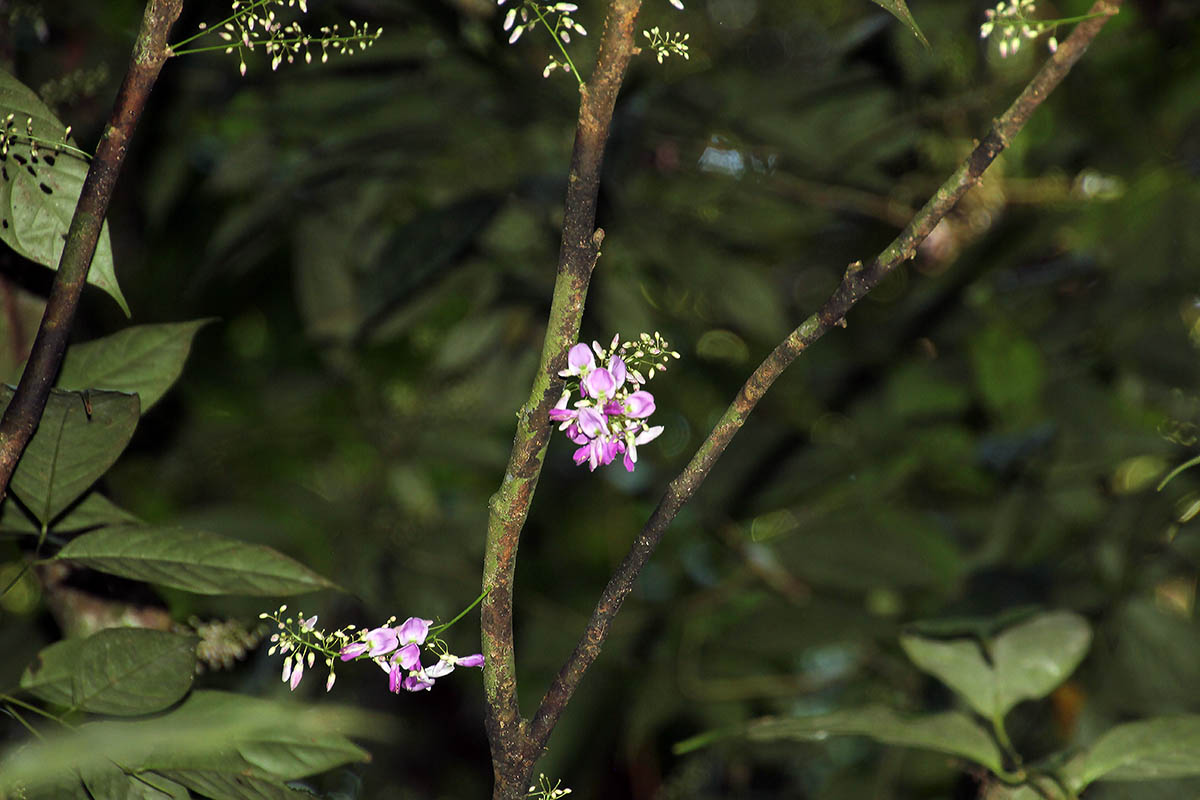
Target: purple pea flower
413, 630
580, 361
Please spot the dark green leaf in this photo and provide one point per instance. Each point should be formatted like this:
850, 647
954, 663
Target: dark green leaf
899, 10
210, 731
1164, 747
194, 561
1028, 661
93, 511
231, 786
143, 360
121, 671
38, 219
949, 732
110, 782
71, 447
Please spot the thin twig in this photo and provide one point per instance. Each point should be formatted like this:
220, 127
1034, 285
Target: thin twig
25, 410
512, 756
857, 282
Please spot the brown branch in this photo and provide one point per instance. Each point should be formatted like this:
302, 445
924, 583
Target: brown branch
858, 281
25, 410
512, 755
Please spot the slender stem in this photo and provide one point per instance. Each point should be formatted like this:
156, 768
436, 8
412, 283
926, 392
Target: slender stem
857, 282
296, 40
8, 699
554, 35
216, 26
513, 756
25, 410
436, 629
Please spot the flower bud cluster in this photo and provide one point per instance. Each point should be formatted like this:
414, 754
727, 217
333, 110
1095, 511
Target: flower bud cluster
611, 417
1013, 22
255, 24
396, 649
667, 44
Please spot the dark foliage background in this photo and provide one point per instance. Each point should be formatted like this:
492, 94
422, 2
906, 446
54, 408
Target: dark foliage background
378, 237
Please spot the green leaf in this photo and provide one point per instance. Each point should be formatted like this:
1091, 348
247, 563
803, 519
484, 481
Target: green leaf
112, 783
120, 671
38, 194
1032, 659
143, 360
960, 664
210, 731
194, 561
71, 447
231, 786
1027, 661
1163, 747
899, 9
949, 732
93, 511
1009, 370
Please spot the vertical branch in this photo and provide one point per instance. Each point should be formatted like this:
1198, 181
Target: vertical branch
25, 410
508, 508
857, 282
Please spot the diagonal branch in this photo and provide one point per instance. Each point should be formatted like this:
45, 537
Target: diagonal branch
857, 282
25, 410
509, 506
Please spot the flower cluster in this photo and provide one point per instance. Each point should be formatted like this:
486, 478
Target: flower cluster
254, 24
396, 649
557, 20
544, 790
1013, 21
611, 417
667, 44
13, 134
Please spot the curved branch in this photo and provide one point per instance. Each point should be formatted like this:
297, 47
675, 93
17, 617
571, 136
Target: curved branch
512, 758
857, 282
25, 410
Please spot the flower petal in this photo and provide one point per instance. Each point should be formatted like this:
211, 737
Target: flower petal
471, 661
413, 629
640, 404
408, 656
353, 650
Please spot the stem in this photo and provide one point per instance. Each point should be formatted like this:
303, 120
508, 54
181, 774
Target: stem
857, 282
554, 35
217, 25
25, 410
513, 754
436, 629
297, 40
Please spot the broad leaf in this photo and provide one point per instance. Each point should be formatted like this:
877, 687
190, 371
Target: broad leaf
78, 439
194, 561
1164, 747
143, 360
120, 671
112, 783
232, 786
38, 193
93, 511
958, 663
211, 731
14, 519
1032, 659
899, 10
949, 732
1027, 661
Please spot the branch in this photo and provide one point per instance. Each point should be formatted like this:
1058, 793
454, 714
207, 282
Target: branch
25, 410
857, 282
512, 758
